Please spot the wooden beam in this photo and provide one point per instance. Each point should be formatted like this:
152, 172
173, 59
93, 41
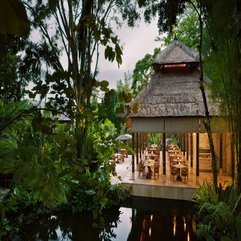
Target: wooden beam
133, 155
137, 149
140, 145
164, 152
191, 150
187, 146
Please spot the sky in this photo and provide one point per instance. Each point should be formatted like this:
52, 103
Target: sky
137, 42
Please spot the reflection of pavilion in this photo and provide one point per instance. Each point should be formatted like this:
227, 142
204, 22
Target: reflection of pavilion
172, 103
163, 223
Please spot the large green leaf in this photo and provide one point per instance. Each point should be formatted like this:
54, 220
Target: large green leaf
7, 155
13, 18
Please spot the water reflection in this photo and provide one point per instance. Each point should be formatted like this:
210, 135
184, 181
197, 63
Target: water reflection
149, 226
167, 220
73, 227
137, 220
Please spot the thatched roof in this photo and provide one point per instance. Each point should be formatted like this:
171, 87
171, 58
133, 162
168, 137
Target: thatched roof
177, 52
174, 94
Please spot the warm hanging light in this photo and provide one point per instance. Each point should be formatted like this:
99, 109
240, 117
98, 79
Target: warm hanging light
174, 65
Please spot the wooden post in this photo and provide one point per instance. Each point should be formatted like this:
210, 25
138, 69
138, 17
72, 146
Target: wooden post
197, 156
140, 149
191, 151
164, 155
133, 155
184, 143
137, 149
187, 146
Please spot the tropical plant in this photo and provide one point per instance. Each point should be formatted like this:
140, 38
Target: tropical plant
107, 109
218, 212
154, 138
93, 192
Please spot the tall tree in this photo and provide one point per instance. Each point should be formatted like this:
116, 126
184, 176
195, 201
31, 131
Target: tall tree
224, 63
142, 72
211, 14
168, 12
80, 28
13, 25
11, 83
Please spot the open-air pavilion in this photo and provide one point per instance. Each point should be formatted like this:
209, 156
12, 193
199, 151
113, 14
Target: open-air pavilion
172, 103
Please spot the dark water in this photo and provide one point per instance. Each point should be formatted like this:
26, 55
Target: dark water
138, 219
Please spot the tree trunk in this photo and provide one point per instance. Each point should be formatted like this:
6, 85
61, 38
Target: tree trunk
207, 122
238, 24
83, 78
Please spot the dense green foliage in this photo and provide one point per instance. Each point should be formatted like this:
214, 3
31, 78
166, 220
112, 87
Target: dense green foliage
46, 151
143, 72
218, 212
224, 68
11, 86
47, 164
55, 166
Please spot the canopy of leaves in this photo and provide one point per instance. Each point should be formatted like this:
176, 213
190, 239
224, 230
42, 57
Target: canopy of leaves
186, 29
11, 83
143, 72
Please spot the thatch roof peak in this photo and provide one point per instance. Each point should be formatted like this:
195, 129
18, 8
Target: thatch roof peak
177, 52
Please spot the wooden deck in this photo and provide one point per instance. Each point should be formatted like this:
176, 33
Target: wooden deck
162, 187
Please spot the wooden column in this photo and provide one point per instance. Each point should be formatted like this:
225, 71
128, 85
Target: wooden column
137, 149
197, 155
184, 143
164, 152
140, 149
187, 146
133, 155
191, 150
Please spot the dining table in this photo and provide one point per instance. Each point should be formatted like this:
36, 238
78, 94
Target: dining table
179, 166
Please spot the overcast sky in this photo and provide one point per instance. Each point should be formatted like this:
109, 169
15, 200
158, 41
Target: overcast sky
137, 42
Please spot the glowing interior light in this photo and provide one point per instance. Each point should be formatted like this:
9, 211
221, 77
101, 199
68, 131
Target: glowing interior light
174, 226
149, 232
184, 224
188, 236
174, 65
151, 217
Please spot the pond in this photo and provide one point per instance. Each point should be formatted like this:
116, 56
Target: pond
139, 219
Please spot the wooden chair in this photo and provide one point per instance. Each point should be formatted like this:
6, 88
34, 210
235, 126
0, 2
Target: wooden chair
124, 152
184, 173
141, 168
149, 173
120, 158
156, 170
174, 172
